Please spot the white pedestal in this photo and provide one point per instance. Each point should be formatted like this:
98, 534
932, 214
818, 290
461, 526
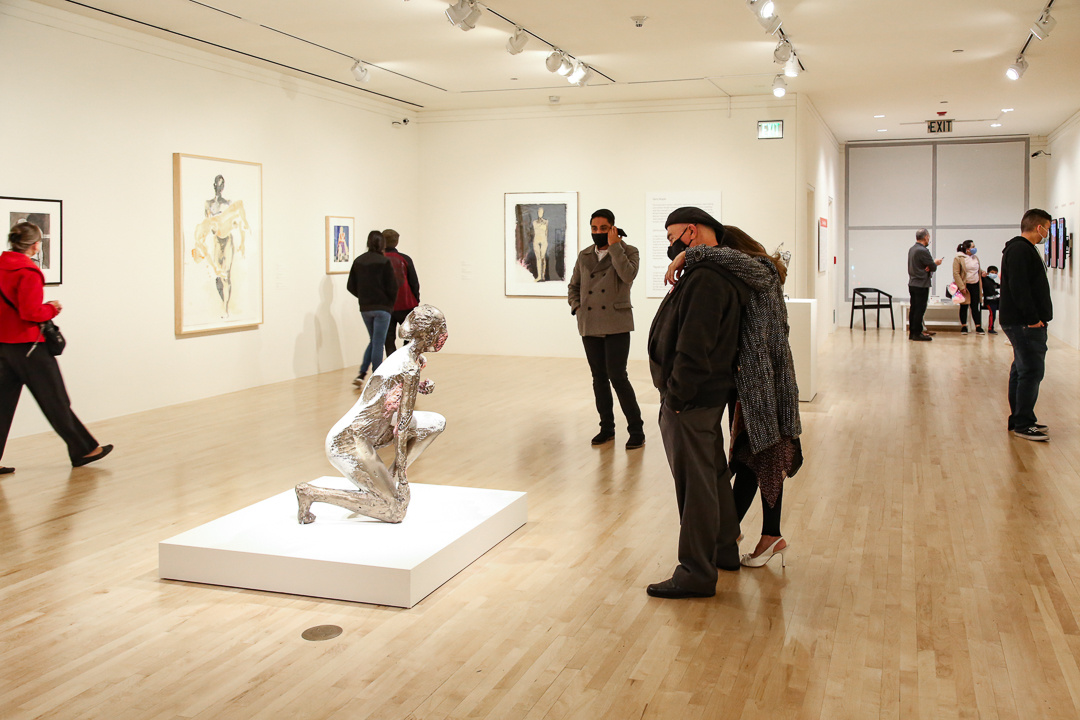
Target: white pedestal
802, 319
345, 556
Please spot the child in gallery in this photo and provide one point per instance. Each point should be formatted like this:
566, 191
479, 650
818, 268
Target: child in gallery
991, 296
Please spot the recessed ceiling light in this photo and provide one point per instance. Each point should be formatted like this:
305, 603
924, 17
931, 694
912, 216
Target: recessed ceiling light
995, 124
1006, 109
879, 116
883, 130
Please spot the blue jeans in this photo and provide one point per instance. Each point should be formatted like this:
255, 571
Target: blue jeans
1028, 367
376, 321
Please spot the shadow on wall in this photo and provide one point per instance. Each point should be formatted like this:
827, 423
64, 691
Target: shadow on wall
322, 326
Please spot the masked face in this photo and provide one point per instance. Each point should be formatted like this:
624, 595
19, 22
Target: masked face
972, 250
600, 239
600, 228
678, 246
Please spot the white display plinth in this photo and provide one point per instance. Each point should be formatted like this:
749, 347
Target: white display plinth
345, 556
802, 334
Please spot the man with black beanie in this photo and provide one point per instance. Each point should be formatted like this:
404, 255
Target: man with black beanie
693, 348
1025, 310
599, 295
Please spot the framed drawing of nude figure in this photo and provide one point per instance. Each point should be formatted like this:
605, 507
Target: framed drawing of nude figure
540, 235
340, 244
217, 227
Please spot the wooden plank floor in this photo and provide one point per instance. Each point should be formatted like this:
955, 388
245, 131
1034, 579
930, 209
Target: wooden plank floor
933, 570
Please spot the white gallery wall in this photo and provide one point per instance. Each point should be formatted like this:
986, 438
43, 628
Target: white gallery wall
1062, 170
92, 115
612, 156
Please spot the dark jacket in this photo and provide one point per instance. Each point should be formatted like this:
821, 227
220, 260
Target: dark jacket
1025, 291
372, 281
991, 293
408, 292
23, 285
920, 266
694, 339
599, 291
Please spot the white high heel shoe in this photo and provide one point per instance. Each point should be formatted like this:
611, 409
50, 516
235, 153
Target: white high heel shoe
747, 560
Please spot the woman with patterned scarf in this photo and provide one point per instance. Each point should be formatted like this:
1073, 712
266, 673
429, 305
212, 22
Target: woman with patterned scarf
765, 447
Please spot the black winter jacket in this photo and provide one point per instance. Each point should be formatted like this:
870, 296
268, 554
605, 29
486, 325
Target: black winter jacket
373, 282
1025, 291
694, 338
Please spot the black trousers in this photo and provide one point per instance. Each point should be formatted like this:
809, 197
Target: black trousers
607, 357
396, 318
709, 528
976, 311
745, 487
919, 298
41, 374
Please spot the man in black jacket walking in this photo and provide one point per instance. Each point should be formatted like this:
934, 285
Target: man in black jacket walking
693, 348
1025, 310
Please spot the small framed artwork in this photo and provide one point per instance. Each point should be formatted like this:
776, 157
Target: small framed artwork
823, 245
47, 215
217, 225
540, 234
340, 244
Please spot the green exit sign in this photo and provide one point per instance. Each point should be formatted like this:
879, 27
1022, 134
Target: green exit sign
770, 129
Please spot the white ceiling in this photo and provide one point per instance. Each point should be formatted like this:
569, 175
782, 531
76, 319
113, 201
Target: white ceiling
863, 58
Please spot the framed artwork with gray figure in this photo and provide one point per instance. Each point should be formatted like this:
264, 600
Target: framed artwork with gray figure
540, 234
217, 224
47, 215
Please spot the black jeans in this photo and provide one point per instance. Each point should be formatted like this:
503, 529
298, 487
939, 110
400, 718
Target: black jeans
919, 298
1028, 367
41, 374
991, 311
607, 357
745, 487
976, 312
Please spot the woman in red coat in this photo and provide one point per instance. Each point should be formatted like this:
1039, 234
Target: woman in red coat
24, 359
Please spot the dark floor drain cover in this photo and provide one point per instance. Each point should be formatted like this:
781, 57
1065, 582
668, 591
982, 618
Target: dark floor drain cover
321, 632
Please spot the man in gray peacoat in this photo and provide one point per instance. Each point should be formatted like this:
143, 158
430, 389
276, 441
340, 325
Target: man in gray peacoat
599, 295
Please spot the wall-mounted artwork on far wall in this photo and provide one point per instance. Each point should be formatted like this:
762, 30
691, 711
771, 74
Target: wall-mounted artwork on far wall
217, 223
47, 215
541, 231
340, 244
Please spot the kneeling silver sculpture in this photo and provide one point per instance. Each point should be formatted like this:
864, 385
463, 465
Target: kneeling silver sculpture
384, 415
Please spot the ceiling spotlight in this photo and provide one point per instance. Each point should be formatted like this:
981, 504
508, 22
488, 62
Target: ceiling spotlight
770, 24
557, 62
359, 72
879, 116
517, 41
762, 8
464, 14
782, 53
995, 124
779, 87
1043, 25
580, 75
1017, 69
1006, 109
791, 67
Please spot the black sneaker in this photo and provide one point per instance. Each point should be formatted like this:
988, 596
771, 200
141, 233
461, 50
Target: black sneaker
979, 331
992, 332
920, 338
1031, 433
1042, 428
964, 330
637, 440
603, 437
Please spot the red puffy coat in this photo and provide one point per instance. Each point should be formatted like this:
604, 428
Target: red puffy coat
23, 284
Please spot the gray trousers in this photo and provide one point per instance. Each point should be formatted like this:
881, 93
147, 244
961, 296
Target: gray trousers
708, 536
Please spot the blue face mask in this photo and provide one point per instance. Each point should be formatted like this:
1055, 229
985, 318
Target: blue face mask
992, 276
972, 251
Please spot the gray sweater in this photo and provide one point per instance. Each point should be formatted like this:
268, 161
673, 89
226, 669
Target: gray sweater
920, 266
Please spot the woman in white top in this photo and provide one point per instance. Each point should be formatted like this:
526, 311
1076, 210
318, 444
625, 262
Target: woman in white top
967, 274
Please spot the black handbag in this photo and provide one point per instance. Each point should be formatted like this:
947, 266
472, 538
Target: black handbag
54, 339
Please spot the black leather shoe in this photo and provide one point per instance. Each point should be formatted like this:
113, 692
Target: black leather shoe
921, 338
6, 470
636, 441
603, 437
105, 450
670, 591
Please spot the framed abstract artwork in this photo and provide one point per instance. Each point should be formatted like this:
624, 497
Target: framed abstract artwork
540, 235
340, 244
47, 215
217, 227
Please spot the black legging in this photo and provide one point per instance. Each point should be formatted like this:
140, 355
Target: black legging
745, 487
976, 306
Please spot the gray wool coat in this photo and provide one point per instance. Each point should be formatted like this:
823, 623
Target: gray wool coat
599, 291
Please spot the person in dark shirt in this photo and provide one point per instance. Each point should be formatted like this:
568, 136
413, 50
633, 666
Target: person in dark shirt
372, 281
693, 347
408, 293
921, 266
991, 296
1025, 310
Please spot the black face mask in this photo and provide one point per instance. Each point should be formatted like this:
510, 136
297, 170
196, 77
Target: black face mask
601, 239
677, 247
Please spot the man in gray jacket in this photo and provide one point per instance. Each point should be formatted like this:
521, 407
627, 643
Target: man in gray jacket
920, 266
599, 296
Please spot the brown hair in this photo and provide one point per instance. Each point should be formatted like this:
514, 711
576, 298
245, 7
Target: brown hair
375, 241
737, 239
23, 236
1033, 218
391, 238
